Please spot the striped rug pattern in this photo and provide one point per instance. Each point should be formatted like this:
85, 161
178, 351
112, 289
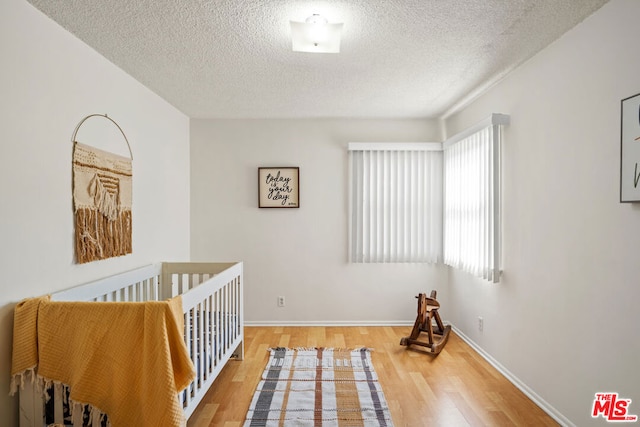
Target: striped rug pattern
319, 387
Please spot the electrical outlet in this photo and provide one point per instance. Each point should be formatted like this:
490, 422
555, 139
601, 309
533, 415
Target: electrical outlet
280, 301
480, 324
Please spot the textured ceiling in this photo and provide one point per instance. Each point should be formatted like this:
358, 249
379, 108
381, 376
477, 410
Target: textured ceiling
399, 58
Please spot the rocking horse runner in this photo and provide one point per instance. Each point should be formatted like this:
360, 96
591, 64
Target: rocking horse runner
427, 311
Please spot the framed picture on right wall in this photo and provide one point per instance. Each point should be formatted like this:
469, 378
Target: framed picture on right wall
630, 149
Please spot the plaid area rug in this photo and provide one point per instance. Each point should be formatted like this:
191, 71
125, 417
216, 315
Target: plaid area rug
319, 387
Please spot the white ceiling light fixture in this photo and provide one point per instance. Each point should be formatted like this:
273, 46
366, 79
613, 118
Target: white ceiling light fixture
315, 35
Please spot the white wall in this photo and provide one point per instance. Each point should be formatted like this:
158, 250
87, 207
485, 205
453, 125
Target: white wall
300, 254
565, 317
50, 81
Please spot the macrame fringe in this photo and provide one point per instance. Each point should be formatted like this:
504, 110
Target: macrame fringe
106, 202
97, 237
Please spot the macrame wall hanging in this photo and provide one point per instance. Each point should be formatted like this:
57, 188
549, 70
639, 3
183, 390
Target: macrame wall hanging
102, 196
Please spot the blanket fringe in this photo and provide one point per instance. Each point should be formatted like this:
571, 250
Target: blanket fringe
18, 380
45, 385
77, 410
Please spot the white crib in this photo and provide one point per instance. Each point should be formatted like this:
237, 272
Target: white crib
212, 303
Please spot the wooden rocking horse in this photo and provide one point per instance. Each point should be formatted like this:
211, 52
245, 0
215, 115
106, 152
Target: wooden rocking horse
427, 311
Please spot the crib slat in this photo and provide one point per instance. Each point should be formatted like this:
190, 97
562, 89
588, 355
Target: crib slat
31, 405
209, 339
201, 343
239, 311
234, 301
77, 418
152, 289
194, 353
218, 325
95, 419
58, 399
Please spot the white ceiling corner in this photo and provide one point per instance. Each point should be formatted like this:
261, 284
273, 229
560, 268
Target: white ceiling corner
398, 59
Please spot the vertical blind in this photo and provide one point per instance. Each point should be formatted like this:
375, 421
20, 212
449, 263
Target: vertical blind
420, 203
472, 203
395, 204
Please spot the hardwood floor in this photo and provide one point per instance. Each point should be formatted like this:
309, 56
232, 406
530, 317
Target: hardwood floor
456, 388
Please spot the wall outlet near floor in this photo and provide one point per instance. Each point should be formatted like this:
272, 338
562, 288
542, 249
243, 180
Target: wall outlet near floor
280, 301
480, 324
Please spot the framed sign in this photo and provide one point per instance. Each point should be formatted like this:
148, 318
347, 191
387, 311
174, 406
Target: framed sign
279, 187
630, 149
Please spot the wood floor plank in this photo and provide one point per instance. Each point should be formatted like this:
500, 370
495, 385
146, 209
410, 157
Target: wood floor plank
456, 388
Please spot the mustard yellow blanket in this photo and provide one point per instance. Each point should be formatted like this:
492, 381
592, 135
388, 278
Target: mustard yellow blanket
125, 359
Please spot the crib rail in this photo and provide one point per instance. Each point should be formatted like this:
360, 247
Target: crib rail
141, 284
213, 318
212, 295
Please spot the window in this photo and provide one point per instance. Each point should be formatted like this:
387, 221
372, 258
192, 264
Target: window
395, 202
472, 199
429, 202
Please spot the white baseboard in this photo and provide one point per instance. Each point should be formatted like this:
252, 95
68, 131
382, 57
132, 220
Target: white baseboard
543, 404
329, 323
